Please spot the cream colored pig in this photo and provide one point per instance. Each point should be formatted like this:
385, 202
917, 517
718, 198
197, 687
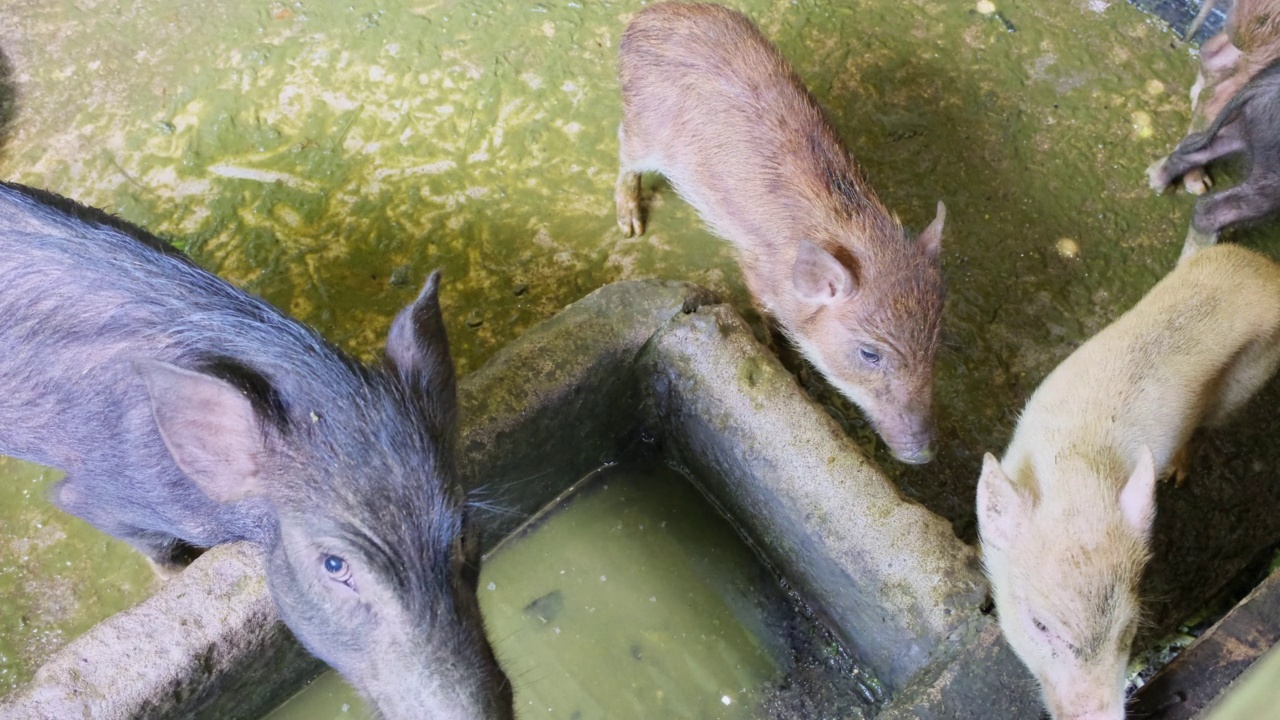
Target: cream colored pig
1065, 518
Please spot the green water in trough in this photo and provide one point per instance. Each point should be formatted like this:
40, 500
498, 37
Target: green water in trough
633, 598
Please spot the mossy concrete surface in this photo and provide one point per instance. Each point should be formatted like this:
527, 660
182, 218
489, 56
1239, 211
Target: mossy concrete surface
981, 679
562, 400
209, 644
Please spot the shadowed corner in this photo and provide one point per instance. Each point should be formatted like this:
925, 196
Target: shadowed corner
8, 100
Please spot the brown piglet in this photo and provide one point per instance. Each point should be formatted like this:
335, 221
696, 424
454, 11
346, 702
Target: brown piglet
712, 105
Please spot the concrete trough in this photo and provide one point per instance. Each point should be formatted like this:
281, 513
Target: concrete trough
654, 362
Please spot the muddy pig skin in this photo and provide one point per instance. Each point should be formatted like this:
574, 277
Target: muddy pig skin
709, 103
1065, 517
1229, 60
187, 413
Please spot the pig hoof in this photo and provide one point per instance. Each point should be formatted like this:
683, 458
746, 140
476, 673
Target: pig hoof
630, 222
1156, 177
1197, 181
1181, 465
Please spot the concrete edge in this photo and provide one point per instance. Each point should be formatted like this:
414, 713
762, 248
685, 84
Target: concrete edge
1202, 673
207, 644
890, 576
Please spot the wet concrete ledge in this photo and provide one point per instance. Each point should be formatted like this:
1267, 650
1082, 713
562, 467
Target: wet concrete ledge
1201, 674
890, 577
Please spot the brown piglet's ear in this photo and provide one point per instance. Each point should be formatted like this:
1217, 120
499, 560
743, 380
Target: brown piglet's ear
819, 277
931, 239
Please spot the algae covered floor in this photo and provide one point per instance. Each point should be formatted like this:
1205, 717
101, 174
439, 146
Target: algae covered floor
329, 155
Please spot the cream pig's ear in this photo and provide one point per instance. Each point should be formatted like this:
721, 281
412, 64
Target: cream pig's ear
1003, 509
1138, 498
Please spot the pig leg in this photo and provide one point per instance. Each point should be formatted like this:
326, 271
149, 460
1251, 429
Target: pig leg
1195, 242
1218, 56
1197, 181
1195, 151
1252, 199
1218, 59
166, 555
627, 192
1180, 465
1251, 369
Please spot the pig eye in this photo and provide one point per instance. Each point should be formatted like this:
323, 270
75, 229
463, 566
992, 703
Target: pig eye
1040, 626
337, 568
869, 357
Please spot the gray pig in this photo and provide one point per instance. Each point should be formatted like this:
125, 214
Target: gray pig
187, 413
711, 104
1065, 517
1248, 124
1228, 61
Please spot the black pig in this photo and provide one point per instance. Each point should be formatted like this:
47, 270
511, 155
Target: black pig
1248, 124
187, 413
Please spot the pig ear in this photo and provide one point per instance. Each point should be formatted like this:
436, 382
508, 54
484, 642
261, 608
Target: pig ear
418, 353
819, 277
1002, 508
209, 427
1138, 498
931, 239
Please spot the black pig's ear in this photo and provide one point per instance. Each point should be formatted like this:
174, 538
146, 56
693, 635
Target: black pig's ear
418, 352
209, 427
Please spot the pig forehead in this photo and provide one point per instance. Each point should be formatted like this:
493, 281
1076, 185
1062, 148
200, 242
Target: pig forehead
1074, 582
912, 333
903, 308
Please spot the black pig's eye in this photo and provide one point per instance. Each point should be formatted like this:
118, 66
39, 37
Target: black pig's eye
868, 356
337, 568
1039, 625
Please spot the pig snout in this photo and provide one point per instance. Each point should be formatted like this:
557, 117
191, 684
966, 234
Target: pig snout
1111, 712
1086, 696
916, 452
909, 437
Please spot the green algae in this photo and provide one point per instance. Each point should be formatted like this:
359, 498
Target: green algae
58, 576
